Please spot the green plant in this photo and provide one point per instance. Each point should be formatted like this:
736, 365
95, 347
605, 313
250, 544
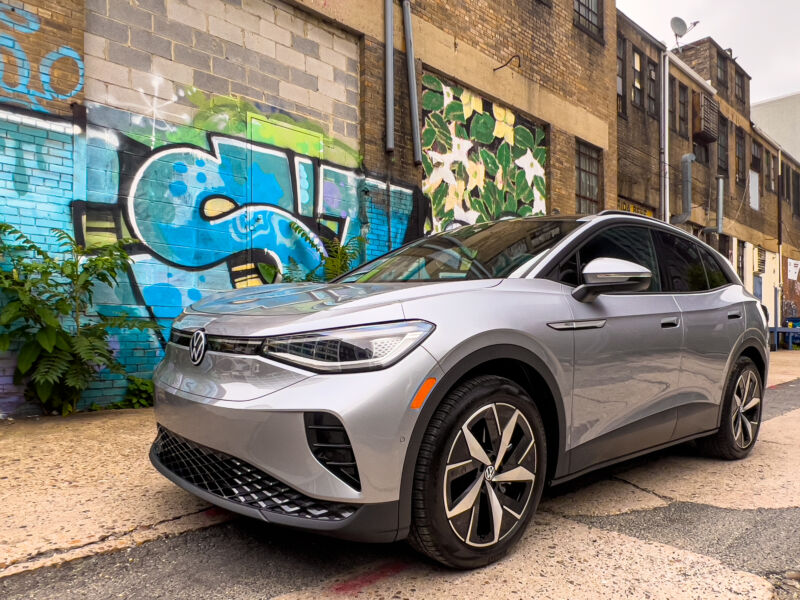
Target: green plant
339, 259
139, 393
45, 300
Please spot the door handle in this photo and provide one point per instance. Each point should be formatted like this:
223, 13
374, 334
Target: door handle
669, 322
734, 314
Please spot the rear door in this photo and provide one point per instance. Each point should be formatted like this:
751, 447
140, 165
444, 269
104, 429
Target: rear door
627, 355
713, 319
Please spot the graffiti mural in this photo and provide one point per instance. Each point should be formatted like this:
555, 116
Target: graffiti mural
481, 160
27, 78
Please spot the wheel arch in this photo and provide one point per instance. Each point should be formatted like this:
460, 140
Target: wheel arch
513, 362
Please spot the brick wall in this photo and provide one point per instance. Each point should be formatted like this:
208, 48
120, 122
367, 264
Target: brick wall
266, 53
42, 54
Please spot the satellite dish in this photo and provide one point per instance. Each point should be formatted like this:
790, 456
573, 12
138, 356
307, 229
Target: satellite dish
679, 27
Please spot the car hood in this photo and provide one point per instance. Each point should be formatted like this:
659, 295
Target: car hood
321, 304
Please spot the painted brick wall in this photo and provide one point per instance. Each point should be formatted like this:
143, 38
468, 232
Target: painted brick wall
41, 46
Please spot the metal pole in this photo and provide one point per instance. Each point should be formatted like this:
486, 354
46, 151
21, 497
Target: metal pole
412, 82
720, 202
389, 70
664, 154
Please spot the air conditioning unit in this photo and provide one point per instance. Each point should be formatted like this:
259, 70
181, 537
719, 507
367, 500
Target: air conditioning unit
705, 118
761, 261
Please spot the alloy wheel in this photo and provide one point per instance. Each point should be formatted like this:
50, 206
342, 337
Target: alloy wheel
746, 413
490, 474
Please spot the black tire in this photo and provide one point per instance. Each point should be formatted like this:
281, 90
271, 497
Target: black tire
732, 441
494, 400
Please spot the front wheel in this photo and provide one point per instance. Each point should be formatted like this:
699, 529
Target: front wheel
480, 473
741, 414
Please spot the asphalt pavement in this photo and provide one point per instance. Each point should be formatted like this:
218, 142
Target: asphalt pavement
670, 537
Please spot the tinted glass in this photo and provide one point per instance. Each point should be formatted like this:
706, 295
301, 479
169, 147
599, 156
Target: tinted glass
681, 263
482, 251
633, 244
716, 276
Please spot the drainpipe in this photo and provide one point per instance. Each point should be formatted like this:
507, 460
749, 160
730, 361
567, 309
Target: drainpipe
388, 7
720, 202
412, 82
664, 150
686, 175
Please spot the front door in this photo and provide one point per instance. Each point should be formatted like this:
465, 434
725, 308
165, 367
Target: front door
627, 357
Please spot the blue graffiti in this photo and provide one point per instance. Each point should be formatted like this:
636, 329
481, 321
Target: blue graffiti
22, 92
194, 208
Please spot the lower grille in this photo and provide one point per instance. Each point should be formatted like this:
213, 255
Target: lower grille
330, 445
235, 480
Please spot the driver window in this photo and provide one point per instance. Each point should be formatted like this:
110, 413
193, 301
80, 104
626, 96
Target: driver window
634, 244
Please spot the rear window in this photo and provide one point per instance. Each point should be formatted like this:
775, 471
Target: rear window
681, 263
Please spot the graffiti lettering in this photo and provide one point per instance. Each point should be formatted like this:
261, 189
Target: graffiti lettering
22, 92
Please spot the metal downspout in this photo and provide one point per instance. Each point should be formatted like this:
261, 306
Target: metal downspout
664, 151
412, 82
388, 39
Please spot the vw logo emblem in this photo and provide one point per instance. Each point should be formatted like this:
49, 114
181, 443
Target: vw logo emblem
197, 347
488, 474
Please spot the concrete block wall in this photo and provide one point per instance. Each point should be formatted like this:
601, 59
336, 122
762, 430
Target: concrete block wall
141, 55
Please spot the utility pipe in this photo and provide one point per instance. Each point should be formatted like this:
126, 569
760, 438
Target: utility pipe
412, 82
664, 149
388, 7
720, 202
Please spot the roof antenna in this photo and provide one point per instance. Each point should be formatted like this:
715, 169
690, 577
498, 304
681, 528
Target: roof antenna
680, 29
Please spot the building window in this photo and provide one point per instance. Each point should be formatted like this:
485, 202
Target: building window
700, 153
738, 86
740, 155
652, 88
740, 250
796, 193
621, 107
683, 110
588, 15
587, 177
755, 156
769, 175
671, 99
636, 89
722, 70
722, 145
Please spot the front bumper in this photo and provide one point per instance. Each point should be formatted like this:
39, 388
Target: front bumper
242, 488
267, 436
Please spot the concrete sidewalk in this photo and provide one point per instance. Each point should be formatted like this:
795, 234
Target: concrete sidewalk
77, 486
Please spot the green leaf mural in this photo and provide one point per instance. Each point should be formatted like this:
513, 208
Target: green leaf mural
481, 161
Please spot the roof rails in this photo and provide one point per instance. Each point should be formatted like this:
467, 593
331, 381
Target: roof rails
627, 213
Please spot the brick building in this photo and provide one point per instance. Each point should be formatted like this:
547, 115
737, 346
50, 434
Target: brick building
707, 116
200, 128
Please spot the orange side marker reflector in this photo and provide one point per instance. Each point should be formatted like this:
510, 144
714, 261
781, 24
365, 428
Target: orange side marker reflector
422, 393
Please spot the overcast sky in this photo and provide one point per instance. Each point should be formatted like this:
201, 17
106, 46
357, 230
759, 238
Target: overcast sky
763, 35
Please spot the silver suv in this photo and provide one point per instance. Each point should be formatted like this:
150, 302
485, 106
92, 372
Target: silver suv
433, 392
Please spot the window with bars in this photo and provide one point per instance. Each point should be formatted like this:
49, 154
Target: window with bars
652, 88
588, 161
683, 110
621, 106
637, 90
722, 70
588, 16
738, 87
722, 145
740, 156
673, 123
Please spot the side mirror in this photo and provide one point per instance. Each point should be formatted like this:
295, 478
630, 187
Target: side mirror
606, 275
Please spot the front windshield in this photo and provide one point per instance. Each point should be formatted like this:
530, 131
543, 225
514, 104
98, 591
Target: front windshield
482, 251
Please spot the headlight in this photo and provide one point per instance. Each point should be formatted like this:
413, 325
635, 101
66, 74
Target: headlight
362, 348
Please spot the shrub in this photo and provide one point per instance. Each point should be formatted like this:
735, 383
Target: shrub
45, 300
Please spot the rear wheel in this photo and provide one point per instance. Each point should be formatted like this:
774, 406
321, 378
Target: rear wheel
741, 414
480, 473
